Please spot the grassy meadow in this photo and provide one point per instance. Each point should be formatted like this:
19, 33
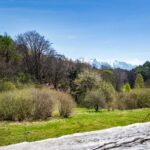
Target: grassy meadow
35, 113
82, 120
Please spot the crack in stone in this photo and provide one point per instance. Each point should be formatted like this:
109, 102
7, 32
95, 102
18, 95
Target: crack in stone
112, 145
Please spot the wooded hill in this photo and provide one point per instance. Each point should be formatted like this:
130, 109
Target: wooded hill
31, 58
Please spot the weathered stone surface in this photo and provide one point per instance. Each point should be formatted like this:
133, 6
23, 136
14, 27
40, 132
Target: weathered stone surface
132, 137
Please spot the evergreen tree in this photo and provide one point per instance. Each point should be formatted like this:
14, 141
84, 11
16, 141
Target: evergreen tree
126, 88
139, 82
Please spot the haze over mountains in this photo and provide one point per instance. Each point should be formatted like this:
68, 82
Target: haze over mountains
102, 64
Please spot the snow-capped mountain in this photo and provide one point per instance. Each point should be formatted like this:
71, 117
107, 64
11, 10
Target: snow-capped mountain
123, 65
101, 64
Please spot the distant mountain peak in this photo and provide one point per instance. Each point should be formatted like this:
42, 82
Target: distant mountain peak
102, 64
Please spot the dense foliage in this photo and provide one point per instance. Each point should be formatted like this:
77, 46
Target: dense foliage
31, 56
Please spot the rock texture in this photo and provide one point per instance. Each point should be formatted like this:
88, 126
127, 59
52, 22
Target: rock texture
132, 137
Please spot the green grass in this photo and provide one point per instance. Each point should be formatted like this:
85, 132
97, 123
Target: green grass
82, 120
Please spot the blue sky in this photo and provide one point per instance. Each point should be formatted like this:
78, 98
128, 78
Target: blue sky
103, 29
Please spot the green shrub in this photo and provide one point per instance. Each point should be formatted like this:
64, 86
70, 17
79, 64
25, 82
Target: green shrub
6, 86
109, 93
125, 101
33, 104
23, 104
139, 82
139, 98
126, 88
103, 96
7, 107
65, 105
23, 78
95, 99
42, 104
15, 106
19, 85
23, 108
143, 97
86, 80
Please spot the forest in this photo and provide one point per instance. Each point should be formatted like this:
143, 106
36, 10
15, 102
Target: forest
31, 57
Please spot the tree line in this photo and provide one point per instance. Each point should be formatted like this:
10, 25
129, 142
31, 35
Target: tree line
31, 57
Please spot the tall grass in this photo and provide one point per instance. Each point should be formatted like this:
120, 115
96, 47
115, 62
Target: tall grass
6, 86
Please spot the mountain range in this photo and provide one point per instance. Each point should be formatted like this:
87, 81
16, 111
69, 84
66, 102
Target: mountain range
102, 64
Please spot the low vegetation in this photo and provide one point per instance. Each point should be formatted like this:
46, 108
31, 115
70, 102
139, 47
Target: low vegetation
34, 104
42, 103
95, 99
82, 120
65, 105
6, 86
138, 98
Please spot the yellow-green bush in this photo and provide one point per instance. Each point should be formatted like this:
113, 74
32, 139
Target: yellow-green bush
95, 99
125, 101
33, 104
139, 98
15, 105
142, 96
109, 93
6, 86
43, 104
65, 105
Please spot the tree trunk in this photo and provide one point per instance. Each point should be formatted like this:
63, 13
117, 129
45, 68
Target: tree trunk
96, 107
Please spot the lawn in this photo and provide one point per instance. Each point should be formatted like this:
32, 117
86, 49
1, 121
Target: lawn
81, 121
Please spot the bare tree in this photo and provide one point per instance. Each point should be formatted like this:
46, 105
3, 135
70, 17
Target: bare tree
35, 46
60, 69
121, 77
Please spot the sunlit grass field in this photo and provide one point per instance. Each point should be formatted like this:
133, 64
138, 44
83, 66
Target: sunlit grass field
81, 121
